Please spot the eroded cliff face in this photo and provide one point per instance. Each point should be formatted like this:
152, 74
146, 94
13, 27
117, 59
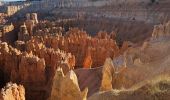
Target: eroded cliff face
88, 51
34, 65
12, 92
83, 46
51, 65
34, 69
40, 50
161, 31
135, 66
148, 60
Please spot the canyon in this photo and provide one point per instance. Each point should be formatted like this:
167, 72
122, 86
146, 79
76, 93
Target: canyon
92, 52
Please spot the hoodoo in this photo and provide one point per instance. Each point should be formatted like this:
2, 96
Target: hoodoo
84, 50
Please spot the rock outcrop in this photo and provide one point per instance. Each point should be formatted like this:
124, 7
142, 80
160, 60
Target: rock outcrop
26, 30
162, 30
53, 58
34, 68
88, 60
12, 92
56, 84
44, 62
31, 21
113, 73
34, 65
88, 51
23, 34
66, 87
108, 70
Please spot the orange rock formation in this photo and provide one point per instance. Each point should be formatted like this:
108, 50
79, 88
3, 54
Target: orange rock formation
12, 92
33, 69
81, 45
88, 60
